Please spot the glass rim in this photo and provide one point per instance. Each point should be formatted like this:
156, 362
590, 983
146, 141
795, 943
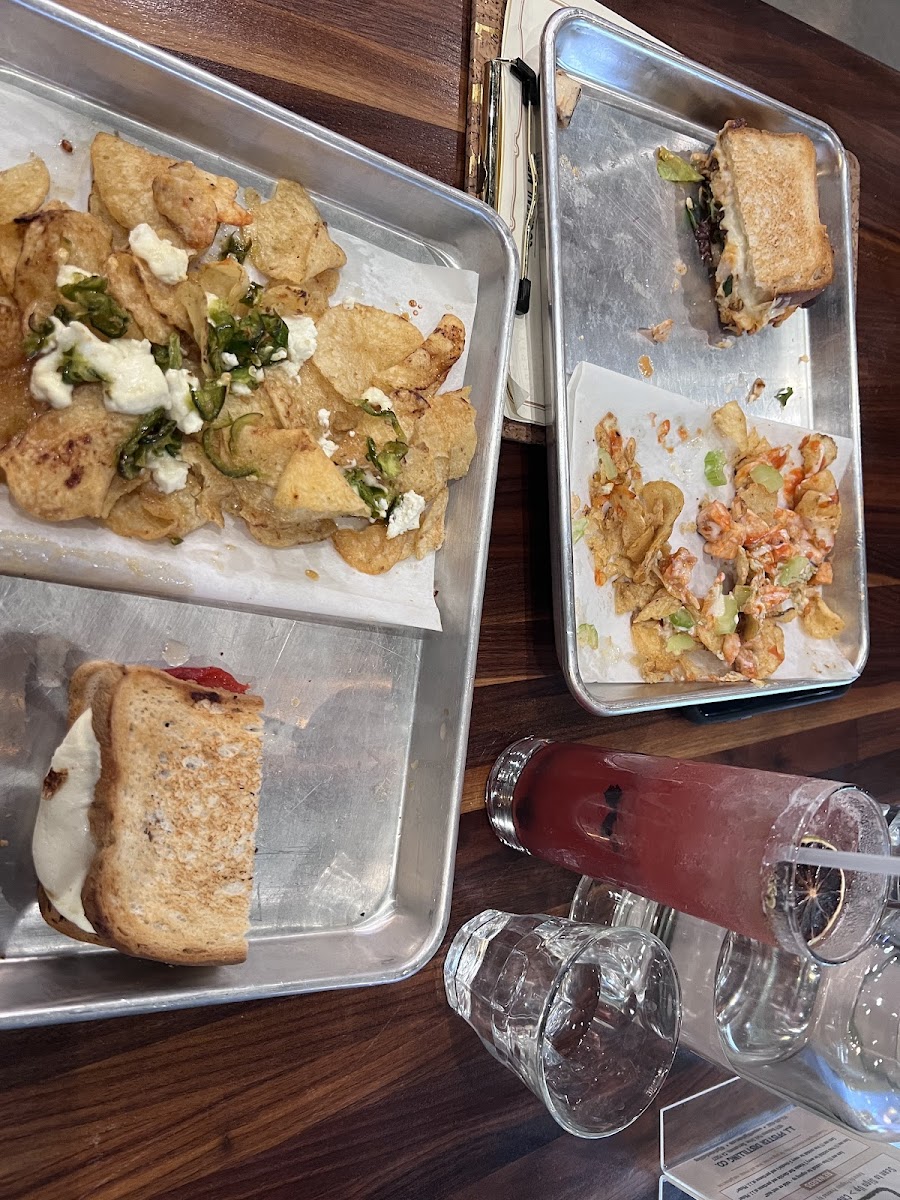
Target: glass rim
784, 919
593, 934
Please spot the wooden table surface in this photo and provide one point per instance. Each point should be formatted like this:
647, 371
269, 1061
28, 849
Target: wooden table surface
383, 1093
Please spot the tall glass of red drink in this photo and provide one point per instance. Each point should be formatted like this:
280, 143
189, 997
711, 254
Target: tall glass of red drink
705, 839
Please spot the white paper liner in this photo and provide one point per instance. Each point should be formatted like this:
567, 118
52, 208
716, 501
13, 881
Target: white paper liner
594, 391
228, 566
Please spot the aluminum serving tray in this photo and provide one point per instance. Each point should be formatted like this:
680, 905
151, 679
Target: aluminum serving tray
614, 232
366, 727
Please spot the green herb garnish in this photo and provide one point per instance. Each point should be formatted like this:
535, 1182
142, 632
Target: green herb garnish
796, 570
154, 433
606, 462
579, 528
728, 285
231, 469
237, 245
766, 477
208, 399
742, 594
36, 340
714, 468
682, 619
783, 395
586, 635
375, 497
252, 294
239, 424
387, 413
727, 619
252, 339
168, 357
679, 642
76, 368
95, 307
389, 459
676, 169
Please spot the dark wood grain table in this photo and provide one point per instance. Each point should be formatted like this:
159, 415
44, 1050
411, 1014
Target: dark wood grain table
383, 1093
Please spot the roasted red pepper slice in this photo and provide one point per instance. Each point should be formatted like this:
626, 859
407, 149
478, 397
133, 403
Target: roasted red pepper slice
211, 677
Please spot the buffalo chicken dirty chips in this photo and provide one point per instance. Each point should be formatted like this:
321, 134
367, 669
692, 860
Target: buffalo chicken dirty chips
172, 355
772, 547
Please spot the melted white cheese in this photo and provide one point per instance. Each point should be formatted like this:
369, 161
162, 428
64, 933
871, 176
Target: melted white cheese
62, 845
132, 382
167, 262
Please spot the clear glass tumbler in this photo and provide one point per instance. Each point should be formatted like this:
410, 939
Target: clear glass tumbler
587, 1017
824, 1038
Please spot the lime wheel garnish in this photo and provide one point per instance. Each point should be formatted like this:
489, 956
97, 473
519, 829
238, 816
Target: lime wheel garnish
818, 895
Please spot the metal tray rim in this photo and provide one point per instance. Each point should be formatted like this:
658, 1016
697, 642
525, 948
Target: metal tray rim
555, 373
475, 213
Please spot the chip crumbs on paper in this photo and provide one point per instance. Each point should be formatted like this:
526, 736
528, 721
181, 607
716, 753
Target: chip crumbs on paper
772, 545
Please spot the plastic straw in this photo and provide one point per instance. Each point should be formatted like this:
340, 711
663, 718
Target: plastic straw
845, 860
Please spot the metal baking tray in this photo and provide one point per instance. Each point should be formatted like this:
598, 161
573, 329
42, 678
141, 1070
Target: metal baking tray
614, 232
366, 727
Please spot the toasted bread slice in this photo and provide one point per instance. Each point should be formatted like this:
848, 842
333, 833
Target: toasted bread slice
174, 817
777, 254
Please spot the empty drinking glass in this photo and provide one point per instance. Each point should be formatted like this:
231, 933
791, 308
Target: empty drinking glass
587, 1017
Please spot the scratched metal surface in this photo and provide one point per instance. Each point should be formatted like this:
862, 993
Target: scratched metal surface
617, 236
366, 727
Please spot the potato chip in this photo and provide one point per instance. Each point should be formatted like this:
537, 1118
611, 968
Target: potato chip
290, 241
629, 596
767, 650
151, 515
266, 449
822, 481
217, 493
819, 621
356, 344
732, 424
61, 466
311, 300
421, 472
11, 238
429, 364
371, 551
188, 303
604, 540
823, 513
759, 499
171, 301
188, 202
52, 237
654, 662
127, 288
222, 189
17, 405
98, 209
254, 503
226, 279
661, 605
817, 451
311, 483
123, 177
10, 333
23, 189
447, 429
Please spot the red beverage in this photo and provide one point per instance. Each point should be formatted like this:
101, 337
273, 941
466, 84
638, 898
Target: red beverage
698, 837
